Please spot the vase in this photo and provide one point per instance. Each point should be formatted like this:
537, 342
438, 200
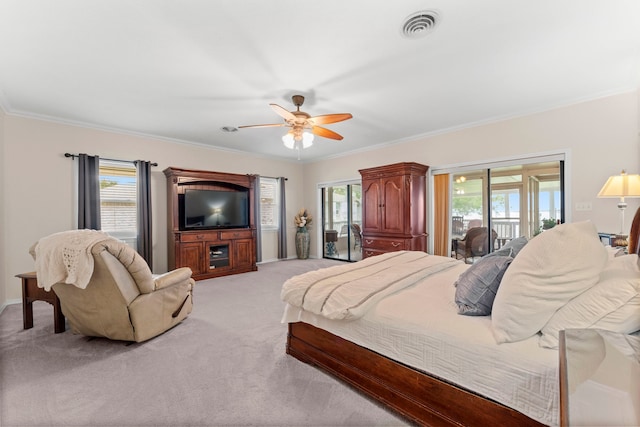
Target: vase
303, 243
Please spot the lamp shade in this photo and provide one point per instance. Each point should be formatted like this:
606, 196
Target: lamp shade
622, 185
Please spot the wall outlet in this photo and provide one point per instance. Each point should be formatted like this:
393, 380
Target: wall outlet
583, 206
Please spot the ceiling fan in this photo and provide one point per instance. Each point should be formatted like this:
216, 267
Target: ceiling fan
301, 123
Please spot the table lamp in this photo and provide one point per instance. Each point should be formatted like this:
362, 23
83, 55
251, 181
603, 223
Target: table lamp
621, 186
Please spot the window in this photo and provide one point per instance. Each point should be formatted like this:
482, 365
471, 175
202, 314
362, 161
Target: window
118, 200
269, 203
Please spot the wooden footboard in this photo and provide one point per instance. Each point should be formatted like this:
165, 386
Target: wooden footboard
419, 397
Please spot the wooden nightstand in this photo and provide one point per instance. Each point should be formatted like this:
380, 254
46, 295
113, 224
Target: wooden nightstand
599, 378
30, 293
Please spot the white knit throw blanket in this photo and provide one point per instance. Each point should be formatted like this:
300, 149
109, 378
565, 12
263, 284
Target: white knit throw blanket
65, 257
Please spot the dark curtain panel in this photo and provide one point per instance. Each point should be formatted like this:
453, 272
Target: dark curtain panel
282, 232
144, 241
88, 192
258, 219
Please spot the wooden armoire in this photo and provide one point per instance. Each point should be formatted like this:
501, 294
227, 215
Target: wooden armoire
394, 208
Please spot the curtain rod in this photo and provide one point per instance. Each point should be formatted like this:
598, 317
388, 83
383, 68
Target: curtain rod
274, 177
73, 156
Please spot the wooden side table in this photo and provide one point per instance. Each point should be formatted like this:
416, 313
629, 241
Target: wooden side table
30, 293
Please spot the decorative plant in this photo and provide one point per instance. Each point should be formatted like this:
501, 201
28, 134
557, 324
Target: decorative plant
546, 224
303, 219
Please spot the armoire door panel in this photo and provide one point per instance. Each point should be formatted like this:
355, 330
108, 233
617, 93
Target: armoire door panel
393, 205
372, 204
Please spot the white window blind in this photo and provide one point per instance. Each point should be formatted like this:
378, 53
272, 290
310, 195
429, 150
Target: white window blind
269, 207
118, 202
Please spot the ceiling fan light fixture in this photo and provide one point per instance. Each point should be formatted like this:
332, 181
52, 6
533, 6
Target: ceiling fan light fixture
304, 141
288, 141
307, 139
297, 138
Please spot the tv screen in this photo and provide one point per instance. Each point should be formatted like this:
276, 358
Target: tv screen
206, 209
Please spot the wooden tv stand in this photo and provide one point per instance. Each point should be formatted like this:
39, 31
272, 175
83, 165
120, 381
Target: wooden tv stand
212, 252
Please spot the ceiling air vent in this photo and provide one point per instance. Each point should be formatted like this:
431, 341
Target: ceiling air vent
420, 24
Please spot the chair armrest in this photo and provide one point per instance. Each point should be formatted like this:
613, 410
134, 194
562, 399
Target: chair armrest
172, 277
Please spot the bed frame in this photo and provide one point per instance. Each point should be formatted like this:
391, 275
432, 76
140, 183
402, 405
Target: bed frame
420, 397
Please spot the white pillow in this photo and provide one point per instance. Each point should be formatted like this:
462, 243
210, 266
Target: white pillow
612, 304
625, 320
614, 252
554, 267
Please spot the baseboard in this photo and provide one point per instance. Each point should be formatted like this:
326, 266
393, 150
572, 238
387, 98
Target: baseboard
9, 302
266, 261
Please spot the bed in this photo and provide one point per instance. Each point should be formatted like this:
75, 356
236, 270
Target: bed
404, 343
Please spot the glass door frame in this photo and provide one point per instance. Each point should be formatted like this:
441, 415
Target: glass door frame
321, 187
562, 156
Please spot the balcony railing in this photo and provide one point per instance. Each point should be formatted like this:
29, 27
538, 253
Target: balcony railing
507, 228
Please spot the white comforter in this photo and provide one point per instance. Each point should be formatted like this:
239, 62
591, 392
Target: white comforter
348, 291
420, 327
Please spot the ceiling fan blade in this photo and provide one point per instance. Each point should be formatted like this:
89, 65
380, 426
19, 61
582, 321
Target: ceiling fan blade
330, 118
325, 133
286, 114
262, 126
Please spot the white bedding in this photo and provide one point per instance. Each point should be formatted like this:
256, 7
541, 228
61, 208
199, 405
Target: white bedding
348, 291
419, 326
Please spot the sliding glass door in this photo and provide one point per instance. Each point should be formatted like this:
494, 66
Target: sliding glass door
505, 202
341, 219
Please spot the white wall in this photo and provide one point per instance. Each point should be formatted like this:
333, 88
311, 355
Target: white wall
3, 223
601, 136
39, 185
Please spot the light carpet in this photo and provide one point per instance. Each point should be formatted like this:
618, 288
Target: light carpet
225, 365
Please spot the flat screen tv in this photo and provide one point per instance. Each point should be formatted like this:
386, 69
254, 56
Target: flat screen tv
209, 209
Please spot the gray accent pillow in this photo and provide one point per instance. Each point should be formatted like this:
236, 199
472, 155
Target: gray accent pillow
503, 251
476, 288
511, 248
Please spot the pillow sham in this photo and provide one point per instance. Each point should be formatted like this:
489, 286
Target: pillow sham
476, 288
550, 270
612, 304
625, 320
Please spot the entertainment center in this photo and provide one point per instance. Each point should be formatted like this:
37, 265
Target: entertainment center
210, 221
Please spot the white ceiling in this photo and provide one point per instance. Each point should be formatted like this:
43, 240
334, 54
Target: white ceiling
182, 70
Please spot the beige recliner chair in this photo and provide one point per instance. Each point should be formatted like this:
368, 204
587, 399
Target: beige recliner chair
123, 300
